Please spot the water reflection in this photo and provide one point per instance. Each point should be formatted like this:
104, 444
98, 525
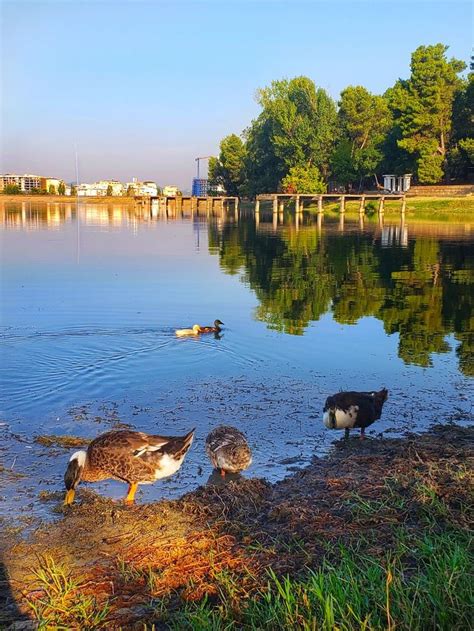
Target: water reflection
419, 281
417, 278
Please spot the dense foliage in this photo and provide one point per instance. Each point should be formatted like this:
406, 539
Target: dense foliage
423, 125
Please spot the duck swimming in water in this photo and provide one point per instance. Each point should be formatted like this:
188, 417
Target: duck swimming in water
213, 329
347, 410
196, 330
228, 449
132, 457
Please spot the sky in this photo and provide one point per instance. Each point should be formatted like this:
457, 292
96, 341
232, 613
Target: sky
143, 88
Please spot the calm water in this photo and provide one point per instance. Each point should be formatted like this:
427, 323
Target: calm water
91, 296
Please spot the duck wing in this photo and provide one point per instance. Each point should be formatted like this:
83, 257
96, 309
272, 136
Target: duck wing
132, 456
223, 436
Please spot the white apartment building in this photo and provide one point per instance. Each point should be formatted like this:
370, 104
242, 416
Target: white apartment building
25, 182
170, 191
100, 188
146, 189
28, 182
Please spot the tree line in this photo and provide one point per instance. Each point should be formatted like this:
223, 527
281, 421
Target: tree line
302, 139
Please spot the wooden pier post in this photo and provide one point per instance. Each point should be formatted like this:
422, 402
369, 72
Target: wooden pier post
382, 205
275, 221
319, 221
320, 204
297, 221
257, 206
275, 204
342, 206
301, 205
362, 205
404, 205
282, 206
297, 203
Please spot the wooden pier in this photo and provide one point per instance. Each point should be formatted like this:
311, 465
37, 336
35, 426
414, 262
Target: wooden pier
278, 201
179, 203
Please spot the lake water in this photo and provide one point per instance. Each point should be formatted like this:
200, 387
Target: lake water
91, 296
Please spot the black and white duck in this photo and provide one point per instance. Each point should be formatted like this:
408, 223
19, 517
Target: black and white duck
228, 449
348, 410
132, 457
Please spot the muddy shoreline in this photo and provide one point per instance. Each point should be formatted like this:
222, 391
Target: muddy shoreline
128, 559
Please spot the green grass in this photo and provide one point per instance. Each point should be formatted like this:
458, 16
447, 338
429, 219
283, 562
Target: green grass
57, 602
422, 583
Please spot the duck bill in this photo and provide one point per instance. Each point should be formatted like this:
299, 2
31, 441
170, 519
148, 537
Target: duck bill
69, 499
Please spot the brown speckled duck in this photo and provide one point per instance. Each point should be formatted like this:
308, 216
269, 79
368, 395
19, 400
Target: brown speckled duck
228, 449
132, 457
347, 410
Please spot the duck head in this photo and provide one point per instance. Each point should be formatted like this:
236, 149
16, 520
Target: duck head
218, 324
196, 329
73, 475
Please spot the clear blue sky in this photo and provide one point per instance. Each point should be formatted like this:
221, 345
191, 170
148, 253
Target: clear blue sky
145, 87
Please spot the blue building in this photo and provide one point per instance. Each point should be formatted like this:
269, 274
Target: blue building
200, 187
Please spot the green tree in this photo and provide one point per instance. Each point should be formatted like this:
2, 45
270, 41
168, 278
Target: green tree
342, 165
130, 191
61, 188
73, 190
422, 107
110, 190
12, 189
52, 189
229, 169
364, 120
303, 122
301, 179
297, 127
460, 156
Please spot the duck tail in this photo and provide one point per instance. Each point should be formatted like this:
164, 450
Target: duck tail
179, 446
188, 439
379, 399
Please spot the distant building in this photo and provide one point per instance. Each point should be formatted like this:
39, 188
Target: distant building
26, 183
48, 182
100, 188
397, 183
200, 187
143, 189
170, 191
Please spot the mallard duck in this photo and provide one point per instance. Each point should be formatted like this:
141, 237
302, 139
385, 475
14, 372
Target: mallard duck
196, 330
132, 457
213, 329
346, 410
228, 449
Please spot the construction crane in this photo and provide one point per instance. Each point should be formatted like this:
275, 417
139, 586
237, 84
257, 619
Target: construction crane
197, 160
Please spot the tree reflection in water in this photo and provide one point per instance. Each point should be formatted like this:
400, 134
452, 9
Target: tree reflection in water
421, 288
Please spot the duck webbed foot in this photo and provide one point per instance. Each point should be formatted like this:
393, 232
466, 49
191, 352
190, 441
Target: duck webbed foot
132, 489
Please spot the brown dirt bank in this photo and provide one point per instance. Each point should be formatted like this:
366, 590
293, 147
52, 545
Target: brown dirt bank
131, 559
